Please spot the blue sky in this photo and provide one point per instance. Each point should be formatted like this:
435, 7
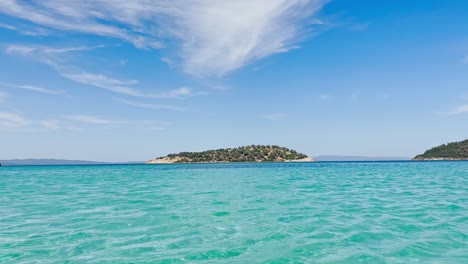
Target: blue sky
129, 81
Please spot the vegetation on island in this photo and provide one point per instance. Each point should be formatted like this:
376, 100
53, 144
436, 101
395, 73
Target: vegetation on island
450, 151
253, 153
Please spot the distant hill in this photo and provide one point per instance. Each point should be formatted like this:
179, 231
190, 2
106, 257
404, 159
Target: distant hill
254, 153
356, 158
450, 151
31, 162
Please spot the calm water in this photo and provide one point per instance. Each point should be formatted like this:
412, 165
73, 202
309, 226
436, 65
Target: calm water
389, 212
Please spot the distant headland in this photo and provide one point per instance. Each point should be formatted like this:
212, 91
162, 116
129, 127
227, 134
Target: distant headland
253, 153
450, 151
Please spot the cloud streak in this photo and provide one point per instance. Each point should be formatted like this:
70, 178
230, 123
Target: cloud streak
275, 117
88, 119
39, 50
50, 124
462, 109
122, 86
151, 106
34, 89
207, 37
217, 37
12, 121
54, 57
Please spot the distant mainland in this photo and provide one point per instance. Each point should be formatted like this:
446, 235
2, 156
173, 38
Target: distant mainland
58, 162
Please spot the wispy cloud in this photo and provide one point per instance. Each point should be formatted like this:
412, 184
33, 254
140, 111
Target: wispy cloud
83, 17
246, 30
15, 122
7, 26
359, 26
34, 88
50, 124
90, 119
324, 97
24, 30
69, 122
462, 109
12, 121
54, 58
275, 116
38, 50
151, 106
122, 86
54, 124
38, 32
210, 38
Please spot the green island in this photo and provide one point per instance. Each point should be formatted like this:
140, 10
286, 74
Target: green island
450, 151
253, 153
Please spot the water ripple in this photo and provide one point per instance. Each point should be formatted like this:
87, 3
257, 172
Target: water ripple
383, 212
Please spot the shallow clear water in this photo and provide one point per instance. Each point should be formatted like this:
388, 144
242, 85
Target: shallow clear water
382, 212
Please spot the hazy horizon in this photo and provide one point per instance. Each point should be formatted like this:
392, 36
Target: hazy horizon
130, 81
318, 158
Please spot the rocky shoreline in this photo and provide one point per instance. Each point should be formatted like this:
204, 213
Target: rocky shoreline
167, 160
439, 159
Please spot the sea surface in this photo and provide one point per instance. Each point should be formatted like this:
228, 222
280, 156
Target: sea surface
325, 212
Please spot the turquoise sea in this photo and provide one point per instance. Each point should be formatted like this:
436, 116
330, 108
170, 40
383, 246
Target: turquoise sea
330, 212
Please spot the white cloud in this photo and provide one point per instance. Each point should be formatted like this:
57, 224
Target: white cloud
324, 97
102, 81
40, 50
50, 124
81, 17
12, 121
210, 37
34, 89
18, 49
6, 26
151, 106
462, 109
88, 119
275, 117
35, 33
31, 31
122, 86
360, 26
55, 59
218, 37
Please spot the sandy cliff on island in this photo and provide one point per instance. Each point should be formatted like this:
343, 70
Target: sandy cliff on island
308, 159
163, 160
